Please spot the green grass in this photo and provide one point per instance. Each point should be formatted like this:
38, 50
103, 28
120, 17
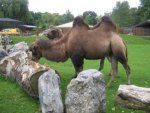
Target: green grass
27, 39
14, 100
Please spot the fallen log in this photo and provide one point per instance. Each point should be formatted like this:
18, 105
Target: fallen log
26, 72
133, 97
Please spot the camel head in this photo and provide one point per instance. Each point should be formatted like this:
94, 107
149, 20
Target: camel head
53, 33
49, 49
36, 51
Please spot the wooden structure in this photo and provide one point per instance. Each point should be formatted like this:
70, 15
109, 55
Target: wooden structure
142, 29
9, 23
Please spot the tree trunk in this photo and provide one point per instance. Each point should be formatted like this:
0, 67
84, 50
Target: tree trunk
26, 72
133, 97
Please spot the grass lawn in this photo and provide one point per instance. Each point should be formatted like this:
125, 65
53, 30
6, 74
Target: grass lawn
13, 99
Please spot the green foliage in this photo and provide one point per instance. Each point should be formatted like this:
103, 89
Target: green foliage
68, 17
90, 17
27, 39
14, 100
123, 15
46, 19
144, 9
17, 9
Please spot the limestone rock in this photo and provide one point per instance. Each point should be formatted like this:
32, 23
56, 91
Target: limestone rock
50, 93
133, 97
21, 46
86, 93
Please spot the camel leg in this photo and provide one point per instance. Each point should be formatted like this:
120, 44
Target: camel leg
111, 70
101, 64
127, 68
78, 62
114, 71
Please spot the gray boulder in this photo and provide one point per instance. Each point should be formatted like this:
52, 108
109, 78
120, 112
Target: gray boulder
86, 93
21, 46
3, 53
50, 93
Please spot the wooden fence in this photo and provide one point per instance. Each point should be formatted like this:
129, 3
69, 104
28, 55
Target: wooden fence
135, 31
141, 31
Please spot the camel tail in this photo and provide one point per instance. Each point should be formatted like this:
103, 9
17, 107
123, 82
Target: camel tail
126, 50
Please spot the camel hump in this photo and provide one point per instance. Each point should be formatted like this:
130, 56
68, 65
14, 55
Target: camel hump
78, 21
107, 19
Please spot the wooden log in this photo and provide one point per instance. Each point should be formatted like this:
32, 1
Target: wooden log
133, 97
26, 72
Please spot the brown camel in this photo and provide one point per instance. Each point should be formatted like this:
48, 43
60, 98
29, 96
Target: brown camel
56, 33
81, 42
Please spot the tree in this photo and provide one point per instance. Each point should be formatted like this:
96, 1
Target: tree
144, 10
134, 17
120, 13
17, 9
57, 19
68, 17
4, 7
37, 17
90, 17
123, 15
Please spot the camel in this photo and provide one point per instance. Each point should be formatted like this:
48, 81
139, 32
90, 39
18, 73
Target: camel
81, 42
56, 33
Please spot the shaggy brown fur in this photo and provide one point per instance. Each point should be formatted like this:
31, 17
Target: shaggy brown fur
56, 33
53, 33
81, 42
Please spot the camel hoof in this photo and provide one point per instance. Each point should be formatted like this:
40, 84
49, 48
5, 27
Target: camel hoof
107, 87
99, 69
128, 84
